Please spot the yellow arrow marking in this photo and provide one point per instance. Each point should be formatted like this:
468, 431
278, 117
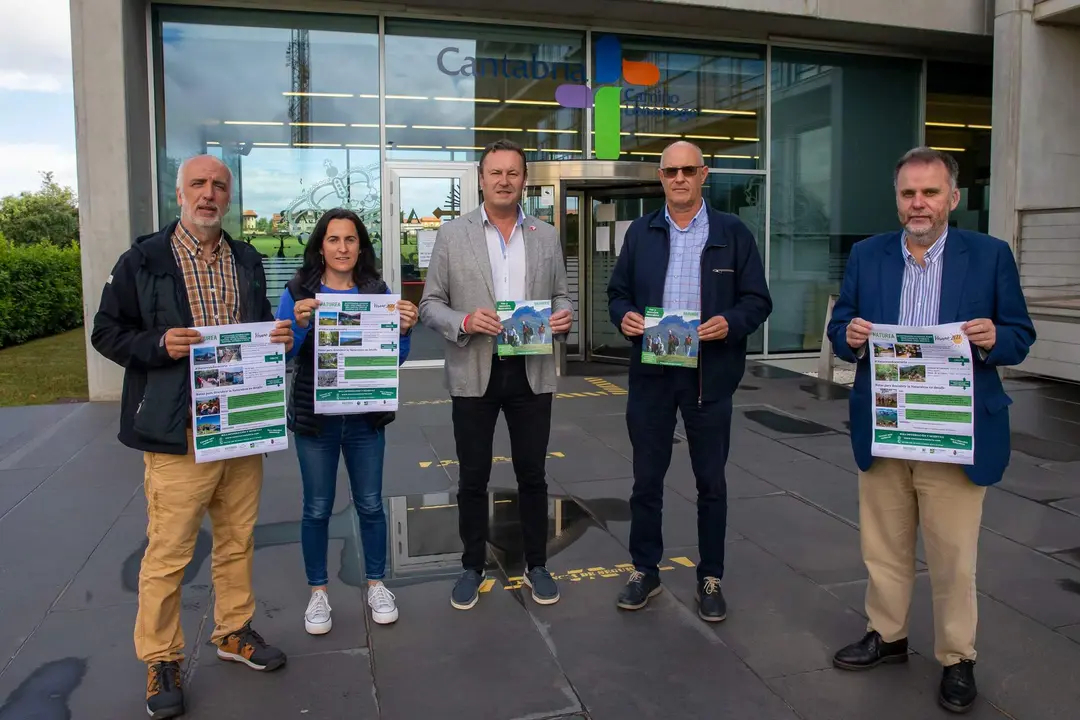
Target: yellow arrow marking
684, 561
487, 585
425, 464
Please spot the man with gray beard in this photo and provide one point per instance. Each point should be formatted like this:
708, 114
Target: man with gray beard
190, 274
925, 275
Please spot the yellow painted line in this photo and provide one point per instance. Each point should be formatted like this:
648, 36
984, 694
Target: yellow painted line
487, 584
498, 459
684, 561
578, 575
604, 391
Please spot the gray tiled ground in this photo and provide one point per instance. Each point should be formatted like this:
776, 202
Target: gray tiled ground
72, 531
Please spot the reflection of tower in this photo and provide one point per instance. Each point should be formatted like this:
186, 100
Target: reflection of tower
298, 57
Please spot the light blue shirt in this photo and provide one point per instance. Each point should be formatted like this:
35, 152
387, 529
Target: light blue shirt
920, 299
507, 258
682, 282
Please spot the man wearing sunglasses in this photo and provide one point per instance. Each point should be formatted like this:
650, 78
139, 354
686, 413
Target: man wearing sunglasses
686, 256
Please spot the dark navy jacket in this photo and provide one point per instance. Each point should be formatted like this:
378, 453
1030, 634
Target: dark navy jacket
979, 280
732, 284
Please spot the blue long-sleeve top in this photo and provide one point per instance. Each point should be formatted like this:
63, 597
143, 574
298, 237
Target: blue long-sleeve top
285, 312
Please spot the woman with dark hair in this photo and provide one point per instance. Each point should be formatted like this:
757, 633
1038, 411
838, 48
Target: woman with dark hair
339, 258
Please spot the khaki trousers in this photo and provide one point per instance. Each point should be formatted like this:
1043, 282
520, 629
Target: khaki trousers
895, 497
178, 495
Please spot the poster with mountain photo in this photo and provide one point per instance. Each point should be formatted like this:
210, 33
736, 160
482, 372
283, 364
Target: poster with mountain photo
670, 337
526, 327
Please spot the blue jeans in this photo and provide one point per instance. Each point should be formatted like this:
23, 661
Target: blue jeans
363, 447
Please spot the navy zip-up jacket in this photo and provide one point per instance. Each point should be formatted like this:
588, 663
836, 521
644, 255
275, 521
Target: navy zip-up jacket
733, 284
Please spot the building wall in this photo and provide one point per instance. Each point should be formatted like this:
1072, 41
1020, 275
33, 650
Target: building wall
1035, 193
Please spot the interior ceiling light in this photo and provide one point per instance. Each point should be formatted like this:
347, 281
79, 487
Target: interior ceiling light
472, 100
947, 149
317, 94
710, 111
418, 147
707, 137
533, 102
945, 124
316, 124
438, 127
657, 135
747, 139
355, 145
253, 122
463, 147
271, 144
317, 144
406, 97
552, 130
366, 125
498, 129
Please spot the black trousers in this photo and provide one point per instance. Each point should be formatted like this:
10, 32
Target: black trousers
528, 418
650, 419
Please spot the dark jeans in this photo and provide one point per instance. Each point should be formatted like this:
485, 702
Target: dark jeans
528, 418
363, 447
650, 419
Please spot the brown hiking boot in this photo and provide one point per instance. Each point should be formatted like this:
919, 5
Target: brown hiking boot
164, 698
247, 646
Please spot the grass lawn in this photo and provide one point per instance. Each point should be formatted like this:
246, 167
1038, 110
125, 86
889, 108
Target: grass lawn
269, 246
45, 371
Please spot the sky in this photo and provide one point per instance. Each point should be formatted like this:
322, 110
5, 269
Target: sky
37, 127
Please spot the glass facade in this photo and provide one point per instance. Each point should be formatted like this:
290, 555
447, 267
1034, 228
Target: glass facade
839, 124
311, 110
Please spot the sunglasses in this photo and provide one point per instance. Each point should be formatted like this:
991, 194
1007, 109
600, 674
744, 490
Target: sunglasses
687, 170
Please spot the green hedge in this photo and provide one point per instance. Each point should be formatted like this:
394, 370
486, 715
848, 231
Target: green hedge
40, 291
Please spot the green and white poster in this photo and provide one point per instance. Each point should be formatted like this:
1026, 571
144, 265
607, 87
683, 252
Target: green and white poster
526, 327
356, 353
237, 392
671, 337
924, 395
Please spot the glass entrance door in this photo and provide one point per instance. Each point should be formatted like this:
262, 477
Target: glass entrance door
418, 199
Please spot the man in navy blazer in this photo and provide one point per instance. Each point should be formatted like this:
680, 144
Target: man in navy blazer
685, 256
928, 274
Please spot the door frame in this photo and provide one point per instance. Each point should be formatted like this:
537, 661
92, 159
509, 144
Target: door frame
393, 173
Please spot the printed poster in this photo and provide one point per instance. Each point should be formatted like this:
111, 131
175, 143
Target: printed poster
922, 380
356, 368
670, 337
237, 392
526, 327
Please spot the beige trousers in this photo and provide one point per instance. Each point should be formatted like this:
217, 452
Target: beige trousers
178, 495
895, 497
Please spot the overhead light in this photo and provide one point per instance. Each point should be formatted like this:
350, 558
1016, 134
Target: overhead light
317, 94
747, 139
469, 100
711, 111
271, 144
463, 147
406, 97
651, 154
316, 124
498, 129
552, 130
368, 97
398, 127
367, 125
947, 149
252, 122
418, 147
438, 127
980, 127
735, 157
316, 144
355, 145
558, 150
707, 137
657, 135
945, 124
532, 102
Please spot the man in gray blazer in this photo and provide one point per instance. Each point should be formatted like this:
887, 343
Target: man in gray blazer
497, 253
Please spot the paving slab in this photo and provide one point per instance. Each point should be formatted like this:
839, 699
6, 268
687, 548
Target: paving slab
1017, 657
1041, 483
784, 525
778, 622
1040, 587
15, 485
1038, 526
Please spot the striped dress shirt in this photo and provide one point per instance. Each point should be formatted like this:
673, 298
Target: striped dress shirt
920, 298
682, 283
210, 281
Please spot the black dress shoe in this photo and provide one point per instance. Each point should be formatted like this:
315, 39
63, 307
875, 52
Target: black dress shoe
638, 589
870, 652
958, 687
711, 604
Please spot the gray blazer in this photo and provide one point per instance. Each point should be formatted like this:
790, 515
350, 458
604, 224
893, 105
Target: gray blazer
459, 281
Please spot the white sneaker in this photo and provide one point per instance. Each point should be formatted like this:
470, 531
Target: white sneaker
381, 601
317, 617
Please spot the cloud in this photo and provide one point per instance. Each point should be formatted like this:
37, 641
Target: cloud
35, 46
23, 164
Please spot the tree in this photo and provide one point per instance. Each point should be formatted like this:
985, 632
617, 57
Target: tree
49, 215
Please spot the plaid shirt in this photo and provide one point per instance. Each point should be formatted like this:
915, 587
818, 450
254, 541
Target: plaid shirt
211, 282
682, 283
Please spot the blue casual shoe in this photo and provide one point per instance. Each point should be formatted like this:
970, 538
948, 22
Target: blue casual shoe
467, 589
544, 589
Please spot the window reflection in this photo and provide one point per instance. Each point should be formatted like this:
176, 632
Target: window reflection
958, 112
453, 88
710, 94
286, 105
839, 124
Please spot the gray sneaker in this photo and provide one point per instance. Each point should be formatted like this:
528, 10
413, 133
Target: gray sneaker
467, 589
544, 589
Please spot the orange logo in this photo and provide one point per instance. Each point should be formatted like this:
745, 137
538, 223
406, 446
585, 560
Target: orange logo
957, 339
391, 306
